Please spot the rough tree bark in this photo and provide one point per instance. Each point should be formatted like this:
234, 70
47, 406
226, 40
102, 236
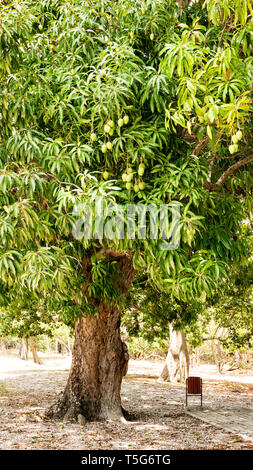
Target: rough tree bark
99, 360
23, 352
176, 368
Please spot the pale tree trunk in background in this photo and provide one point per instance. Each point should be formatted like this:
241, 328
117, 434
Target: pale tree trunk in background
62, 347
58, 346
215, 356
99, 360
23, 352
194, 358
69, 345
36, 358
197, 357
48, 346
220, 355
176, 368
217, 349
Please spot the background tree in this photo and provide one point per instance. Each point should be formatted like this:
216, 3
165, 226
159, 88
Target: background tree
153, 316
223, 322
104, 102
25, 319
231, 312
225, 319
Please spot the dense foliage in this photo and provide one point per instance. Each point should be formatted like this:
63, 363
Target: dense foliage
130, 101
226, 317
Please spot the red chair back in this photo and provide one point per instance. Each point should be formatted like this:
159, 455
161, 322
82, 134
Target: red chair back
194, 386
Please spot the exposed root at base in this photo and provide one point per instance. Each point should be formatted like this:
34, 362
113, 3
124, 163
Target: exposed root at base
62, 410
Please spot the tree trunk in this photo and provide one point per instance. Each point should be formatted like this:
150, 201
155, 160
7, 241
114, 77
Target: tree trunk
23, 352
215, 356
62, 347
194, 358
36, 358
99, 362
48, 346
69, 345
217, 350
57, 346
176, 368
197, 357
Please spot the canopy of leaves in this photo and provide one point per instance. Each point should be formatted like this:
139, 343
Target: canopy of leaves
148, 312
94, 90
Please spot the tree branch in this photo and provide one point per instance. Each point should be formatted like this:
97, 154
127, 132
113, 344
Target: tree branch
232, 169
201, 146
210, 169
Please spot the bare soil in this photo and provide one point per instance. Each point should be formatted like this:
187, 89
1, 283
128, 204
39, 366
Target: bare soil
158, 420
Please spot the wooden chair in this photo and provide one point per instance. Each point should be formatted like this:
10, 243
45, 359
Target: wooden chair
194, 388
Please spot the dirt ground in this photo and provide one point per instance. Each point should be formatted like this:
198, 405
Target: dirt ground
157, 409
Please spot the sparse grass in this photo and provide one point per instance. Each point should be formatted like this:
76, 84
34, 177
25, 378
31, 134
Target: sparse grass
4, 388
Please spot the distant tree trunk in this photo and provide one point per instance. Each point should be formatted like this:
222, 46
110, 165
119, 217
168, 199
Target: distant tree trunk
197, 356
63, 347
69, 345
99, 361
176, 368
59, 347
48, 346
23, 351
194, 358
215, 356
36, 358
217, 350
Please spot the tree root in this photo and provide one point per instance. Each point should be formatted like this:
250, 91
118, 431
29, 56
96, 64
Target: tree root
69, 412
63, 410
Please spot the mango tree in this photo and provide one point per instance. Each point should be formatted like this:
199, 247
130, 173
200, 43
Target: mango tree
103, 103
